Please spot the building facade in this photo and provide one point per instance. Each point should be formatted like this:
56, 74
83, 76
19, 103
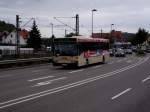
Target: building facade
116, 35
11, 38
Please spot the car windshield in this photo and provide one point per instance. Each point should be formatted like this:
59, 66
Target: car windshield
120, 50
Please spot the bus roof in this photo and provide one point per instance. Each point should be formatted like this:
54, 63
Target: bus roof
92, 40
83, 39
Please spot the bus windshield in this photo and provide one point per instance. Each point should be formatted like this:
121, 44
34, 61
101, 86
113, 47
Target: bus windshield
66, 49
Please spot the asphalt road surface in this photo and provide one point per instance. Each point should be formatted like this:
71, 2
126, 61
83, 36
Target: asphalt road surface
121, 85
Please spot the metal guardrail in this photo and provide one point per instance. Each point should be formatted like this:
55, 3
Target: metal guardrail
5, 62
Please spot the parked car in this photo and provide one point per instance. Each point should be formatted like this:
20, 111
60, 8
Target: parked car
134, 48
120, 52
112, 52
128, 51
148, 49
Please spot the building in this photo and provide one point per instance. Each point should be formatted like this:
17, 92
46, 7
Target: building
2, 35
116, 35
101, 35
11, 38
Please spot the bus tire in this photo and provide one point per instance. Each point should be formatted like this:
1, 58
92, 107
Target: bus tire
103, 61
87, 61
55, 64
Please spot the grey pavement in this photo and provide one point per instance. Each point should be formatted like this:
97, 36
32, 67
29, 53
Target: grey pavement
121, 85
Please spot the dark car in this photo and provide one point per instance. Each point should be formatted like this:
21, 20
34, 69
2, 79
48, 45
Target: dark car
148, 49
134, 48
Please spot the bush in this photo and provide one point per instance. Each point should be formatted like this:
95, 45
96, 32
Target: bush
140, 52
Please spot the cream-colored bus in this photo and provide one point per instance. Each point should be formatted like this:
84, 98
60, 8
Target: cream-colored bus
80, 51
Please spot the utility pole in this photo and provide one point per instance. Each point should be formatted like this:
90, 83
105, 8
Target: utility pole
17, 35
76, 29
52, 38
77, 24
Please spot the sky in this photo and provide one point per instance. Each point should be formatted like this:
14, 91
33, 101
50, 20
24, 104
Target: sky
126, 15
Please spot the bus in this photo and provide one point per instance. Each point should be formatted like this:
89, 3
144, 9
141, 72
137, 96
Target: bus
80, 51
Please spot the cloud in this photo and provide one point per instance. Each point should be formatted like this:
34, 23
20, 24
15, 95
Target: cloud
127, 15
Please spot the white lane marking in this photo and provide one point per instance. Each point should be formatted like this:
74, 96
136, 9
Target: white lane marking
97, 66
4, 76
35, 71
146, 79
110, 63
140, 59
65, 87
118, 95
40, 78
48, 82
76, 71
119, 60
125, 59
129, 61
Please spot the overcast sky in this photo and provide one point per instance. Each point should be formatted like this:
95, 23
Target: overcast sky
126, 15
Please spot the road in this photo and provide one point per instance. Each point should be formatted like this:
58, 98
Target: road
121, 85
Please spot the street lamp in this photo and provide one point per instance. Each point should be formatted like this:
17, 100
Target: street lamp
112, 27
111, 31
94, 10
52, 26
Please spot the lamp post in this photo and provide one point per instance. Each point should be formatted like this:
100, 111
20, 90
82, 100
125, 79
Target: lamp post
101, 33
111, 37
52, 26
111, 30
94, 10
112, 27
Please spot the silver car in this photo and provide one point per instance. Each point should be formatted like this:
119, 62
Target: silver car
120, 52
128, 51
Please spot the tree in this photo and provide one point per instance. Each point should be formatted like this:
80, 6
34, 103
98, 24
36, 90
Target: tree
34, 41
140, 37
6, 26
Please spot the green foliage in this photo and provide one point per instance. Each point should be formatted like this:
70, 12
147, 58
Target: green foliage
140, 37
34, 41
6, 26
46, 41
140, 52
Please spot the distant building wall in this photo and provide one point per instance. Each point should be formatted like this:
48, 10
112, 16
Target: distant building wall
116, 35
